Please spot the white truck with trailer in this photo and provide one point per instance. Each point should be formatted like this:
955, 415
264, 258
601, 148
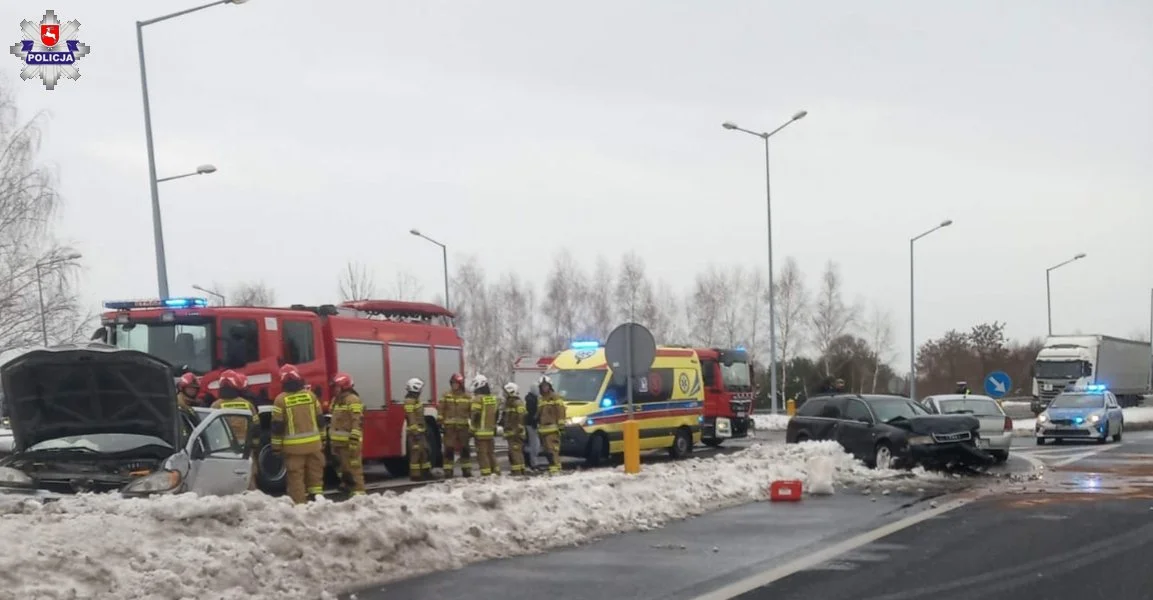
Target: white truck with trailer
1068, 361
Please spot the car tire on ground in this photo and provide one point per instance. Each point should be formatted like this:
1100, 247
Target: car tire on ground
682, 444
999, 456
270, 471
598, 450
1040, 441
713, 442
883, 456
1120, 430
801, 437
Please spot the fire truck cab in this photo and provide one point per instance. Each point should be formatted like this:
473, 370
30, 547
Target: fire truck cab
728, 377
380, 343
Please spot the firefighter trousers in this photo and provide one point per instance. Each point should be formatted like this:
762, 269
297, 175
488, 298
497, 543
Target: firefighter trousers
418, 461
552, 446
456, 440
486, 456
516, 456
305, 475
351, 466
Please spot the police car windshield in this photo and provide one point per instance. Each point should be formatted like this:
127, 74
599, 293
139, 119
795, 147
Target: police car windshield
1077, 400
578, 385
177, 343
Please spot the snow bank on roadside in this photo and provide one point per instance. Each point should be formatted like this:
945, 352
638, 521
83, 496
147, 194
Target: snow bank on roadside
771, 422
252, 546
1133, 414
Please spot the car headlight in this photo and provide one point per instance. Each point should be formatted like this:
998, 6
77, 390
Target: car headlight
920, 440
14, 478
1094, 418
1041, 418
575, 420
161, 482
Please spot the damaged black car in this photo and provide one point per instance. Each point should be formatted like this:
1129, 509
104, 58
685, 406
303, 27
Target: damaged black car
889, 431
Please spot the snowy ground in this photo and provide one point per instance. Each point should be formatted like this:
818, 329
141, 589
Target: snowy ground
1137, 415
253, 546
771, 422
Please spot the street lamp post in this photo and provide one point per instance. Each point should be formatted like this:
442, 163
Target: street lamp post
40, 288
157, 230
912, 313
201, 170
769, 219
1048, 289
208, 291
444, 254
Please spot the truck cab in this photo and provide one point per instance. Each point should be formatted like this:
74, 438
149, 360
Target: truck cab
728, 379
1069, 362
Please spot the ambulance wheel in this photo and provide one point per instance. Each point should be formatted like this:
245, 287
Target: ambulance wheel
682, 444
598, 450
713, 442
270, 471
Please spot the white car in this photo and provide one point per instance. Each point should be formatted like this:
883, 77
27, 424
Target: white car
996, 433
95, 418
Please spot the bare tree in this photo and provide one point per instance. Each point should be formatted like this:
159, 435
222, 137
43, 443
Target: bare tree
879, 335
406, 287
705, 305
33, 265
564, 293
754, 306
475, 315
601, 314
252, 294
665, 322
216, 296
792, 307
515, 305
356, 283
831, 317
632, 291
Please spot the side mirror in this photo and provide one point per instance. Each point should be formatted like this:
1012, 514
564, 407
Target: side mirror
865, 420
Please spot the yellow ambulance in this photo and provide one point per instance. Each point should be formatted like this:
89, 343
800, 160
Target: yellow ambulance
668, 403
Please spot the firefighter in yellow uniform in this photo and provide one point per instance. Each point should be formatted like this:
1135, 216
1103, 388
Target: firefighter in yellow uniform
551, 416
512, 421
419, 467
453, 416
482, 424
187, 389
296, 435
346, 431
231, 385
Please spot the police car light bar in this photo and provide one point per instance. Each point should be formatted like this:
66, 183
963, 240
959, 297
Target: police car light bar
157, 303
1100, 387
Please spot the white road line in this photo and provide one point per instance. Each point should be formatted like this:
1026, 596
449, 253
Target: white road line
1082, 456
806, 562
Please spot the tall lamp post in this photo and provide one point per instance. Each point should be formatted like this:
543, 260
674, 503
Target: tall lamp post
1049, 291
211, 292
201, 170
40, 288
912, 313
769, 214
157, 230
444, 253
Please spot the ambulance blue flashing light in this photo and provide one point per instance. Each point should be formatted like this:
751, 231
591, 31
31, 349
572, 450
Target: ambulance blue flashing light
585, 345
606, 402
157, 303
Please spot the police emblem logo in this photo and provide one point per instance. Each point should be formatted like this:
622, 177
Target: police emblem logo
49, 50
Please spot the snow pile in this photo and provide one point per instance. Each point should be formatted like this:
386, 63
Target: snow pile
771, 422
252, 546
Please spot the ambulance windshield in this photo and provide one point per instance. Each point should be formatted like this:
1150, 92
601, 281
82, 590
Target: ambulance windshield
578, 385
177, 343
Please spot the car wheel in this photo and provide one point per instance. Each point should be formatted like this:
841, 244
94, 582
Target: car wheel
802, 438
1040, 441
1120, 430
999, 456
598, 450
1105, 436
682, 444
883, 456
713, 442
270, 471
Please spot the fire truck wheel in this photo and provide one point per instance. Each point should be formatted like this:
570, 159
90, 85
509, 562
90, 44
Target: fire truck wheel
713, 442
397, 467
598, 450
270, 471
682, 444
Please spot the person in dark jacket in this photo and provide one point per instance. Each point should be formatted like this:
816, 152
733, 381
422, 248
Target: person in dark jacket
532, 439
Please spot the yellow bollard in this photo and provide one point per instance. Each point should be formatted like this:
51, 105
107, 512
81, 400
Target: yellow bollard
632, 432
790, 407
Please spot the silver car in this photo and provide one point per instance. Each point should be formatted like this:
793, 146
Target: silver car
95, 418
996, 433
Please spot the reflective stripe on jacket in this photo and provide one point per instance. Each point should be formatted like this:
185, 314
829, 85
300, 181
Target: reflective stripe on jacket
483, 416
514, 419
347, 419
414, 415
239, 428
295, 423
551, 413
455, 408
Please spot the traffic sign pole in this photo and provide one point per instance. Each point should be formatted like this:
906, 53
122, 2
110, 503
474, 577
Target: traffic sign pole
630, 349
630, 428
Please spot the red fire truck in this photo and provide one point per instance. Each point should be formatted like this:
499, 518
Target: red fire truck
381, 343
728, 377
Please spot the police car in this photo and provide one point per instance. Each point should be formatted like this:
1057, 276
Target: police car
1086, 413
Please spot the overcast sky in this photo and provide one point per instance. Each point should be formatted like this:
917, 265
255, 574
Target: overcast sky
511, 129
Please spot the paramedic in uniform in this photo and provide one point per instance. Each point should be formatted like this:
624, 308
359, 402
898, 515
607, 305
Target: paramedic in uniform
296, 419
551, 418
346, 431
232, 384
419, 466
454, 416
512, 421
482, 424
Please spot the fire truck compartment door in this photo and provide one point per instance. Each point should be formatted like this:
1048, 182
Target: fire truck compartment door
364, 360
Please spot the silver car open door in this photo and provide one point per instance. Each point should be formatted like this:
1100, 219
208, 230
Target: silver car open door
220, 463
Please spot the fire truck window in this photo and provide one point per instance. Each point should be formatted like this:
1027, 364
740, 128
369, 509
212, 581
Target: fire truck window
708, 370
406, 362
447, 363
241, 341
298, 342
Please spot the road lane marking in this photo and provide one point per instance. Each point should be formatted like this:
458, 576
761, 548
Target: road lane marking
1082, 456
807, 562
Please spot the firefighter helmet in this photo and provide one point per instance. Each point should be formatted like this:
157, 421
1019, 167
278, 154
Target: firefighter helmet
289, 373
187, 380
544, 380
511, 388
342, 382
234, 380
414, 385
479, 381
456, 378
